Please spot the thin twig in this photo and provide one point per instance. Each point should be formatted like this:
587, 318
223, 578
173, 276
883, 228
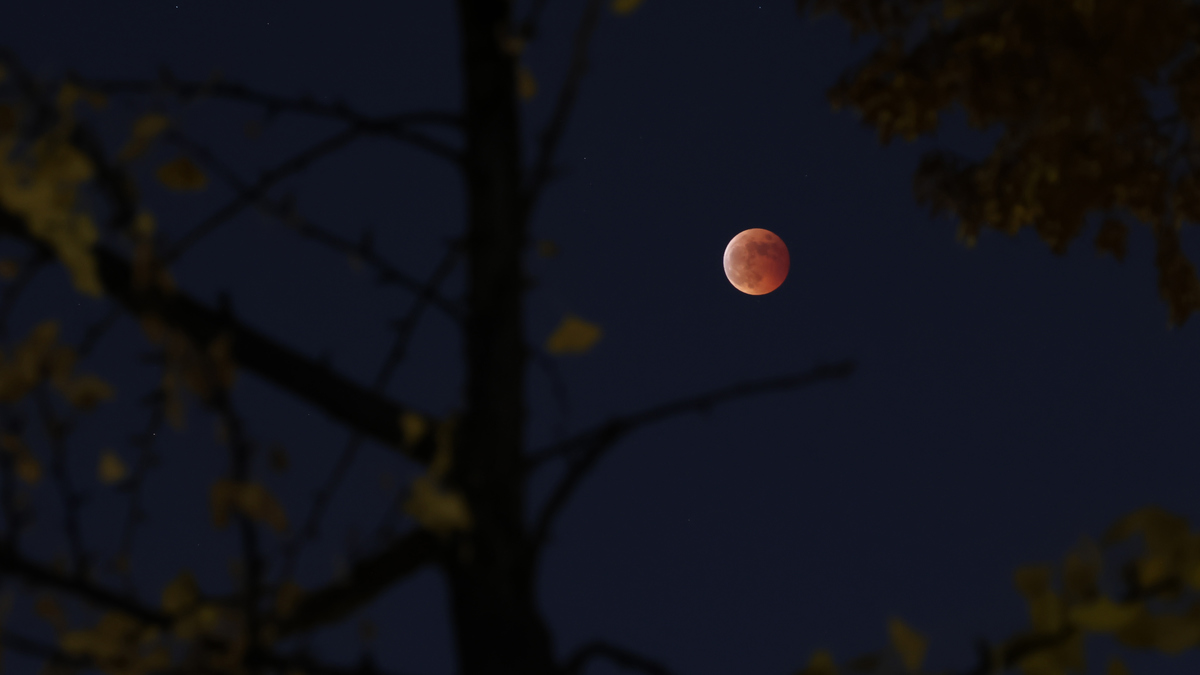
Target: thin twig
592, 444
248, 194
404, 331
31, 647
13, 290
529, 27
144, 442
618, 655
240, 452
398, 126
552, 135
16, 518
57, 431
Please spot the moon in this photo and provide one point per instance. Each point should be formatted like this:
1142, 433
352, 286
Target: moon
756, 261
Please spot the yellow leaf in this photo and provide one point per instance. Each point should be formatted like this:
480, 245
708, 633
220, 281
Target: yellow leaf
573, 336
258, 503
145, 130
624, 7
143, 225
181, 594
513, 45
910, 644
547, 248
1168, 633
527, 86
821, 663
437, 510
182, 174
412, 428
28, 469
1112, 238
9, 268
86, 391
68, 94
1103, 615
110, 468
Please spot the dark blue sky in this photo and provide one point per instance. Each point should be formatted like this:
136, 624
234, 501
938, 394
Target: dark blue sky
1007, 401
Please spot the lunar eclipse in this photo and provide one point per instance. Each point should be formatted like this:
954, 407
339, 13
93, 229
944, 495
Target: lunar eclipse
756, 261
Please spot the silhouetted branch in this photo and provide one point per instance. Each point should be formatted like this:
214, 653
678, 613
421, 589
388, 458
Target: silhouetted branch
367, 579
31, 647
363, 250
404, 330
529, 27
16, 517
552, 135
144, 443
341, 399
11, 562
304, 663
13, 289
618, 655
57, 432
247, 194
398, 126
408, 324
592, 444
239, 453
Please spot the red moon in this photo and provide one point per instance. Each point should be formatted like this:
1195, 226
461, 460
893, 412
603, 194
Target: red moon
756, 261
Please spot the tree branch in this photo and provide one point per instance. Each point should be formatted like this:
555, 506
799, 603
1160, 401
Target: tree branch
340, 398
592, 444
31, 647
618, 655
11, 562
397, 126
548, 145
248, 194
368, 578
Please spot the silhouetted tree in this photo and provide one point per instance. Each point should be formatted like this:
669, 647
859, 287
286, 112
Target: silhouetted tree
468, 509
1071, 146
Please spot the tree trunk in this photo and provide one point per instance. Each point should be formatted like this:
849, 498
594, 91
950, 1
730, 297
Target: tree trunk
498, 626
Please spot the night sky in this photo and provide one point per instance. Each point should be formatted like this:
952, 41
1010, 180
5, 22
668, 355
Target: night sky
1007, 402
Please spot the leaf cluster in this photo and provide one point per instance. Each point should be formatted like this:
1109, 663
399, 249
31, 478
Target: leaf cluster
1076, 90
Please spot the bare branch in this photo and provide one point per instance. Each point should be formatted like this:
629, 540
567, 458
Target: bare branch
367, 579
31, 647
57, 432
144, 443
585, 449
11, 562
397, 126
12, 292
363, 250
239, 451
248, 194
553, 132
304, 663
618, 655
404, 330
340, 398
529, 27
